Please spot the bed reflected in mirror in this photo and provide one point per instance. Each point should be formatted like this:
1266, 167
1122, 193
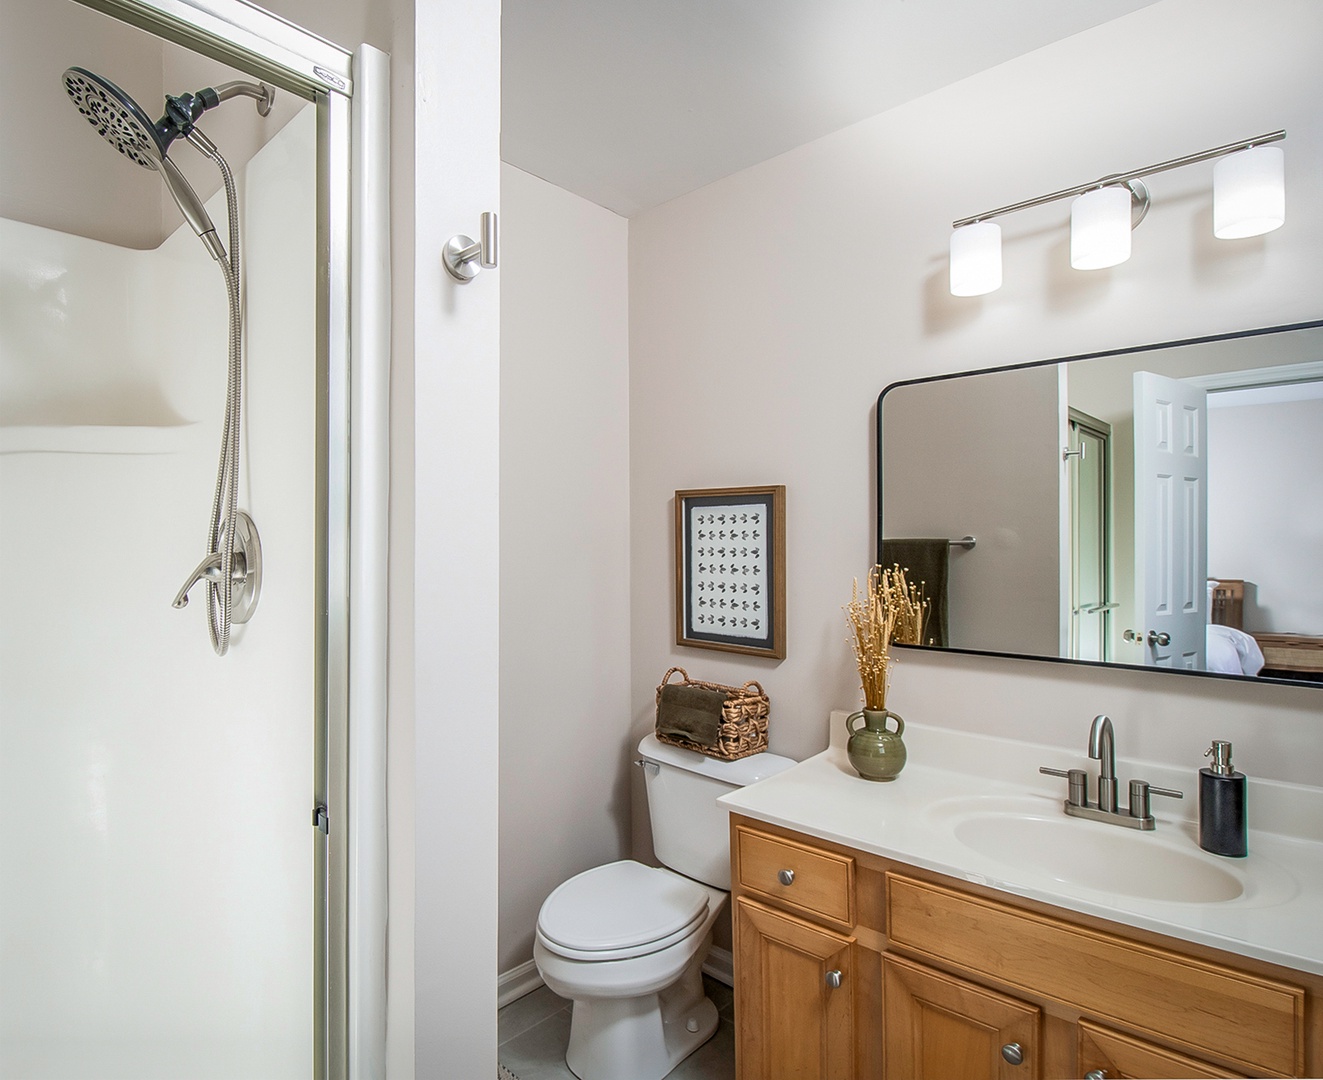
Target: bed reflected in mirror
1159, 507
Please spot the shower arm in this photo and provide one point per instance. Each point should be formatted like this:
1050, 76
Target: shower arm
263, 94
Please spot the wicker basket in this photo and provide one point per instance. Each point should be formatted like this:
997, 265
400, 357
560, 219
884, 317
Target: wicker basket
743, 729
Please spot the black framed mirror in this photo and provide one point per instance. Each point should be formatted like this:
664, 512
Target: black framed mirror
1158, 507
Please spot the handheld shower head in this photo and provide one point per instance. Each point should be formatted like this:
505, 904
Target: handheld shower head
121, 122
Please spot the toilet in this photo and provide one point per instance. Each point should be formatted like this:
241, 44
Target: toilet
626, 942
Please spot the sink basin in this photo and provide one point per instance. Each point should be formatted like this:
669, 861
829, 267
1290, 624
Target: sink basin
1119, 861
1032, 835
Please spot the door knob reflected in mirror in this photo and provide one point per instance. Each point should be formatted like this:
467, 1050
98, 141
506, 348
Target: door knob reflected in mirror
1153, 637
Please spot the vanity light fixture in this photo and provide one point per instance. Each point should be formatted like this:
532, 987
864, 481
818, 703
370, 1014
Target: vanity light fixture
976, 259
1249, 193
1248, 200
1100, 224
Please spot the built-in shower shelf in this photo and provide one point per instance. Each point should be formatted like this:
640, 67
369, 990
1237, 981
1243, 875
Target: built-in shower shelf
95, 438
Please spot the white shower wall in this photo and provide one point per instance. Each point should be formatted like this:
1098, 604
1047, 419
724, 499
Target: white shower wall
157, 896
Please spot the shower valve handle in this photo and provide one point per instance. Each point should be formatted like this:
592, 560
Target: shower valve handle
245, 571
210, 568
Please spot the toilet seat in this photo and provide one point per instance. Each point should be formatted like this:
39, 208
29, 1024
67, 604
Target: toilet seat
620, 910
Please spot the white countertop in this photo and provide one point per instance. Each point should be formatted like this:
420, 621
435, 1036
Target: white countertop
952, 776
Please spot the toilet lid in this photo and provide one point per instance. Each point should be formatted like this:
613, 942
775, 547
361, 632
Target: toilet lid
620, 906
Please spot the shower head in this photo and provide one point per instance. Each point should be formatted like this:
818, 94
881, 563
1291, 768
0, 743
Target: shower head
121, 122
117, 117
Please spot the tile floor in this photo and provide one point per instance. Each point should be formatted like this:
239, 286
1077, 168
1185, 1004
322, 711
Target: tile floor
534, 1031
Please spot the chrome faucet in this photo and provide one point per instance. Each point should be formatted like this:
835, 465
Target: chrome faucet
1102, 748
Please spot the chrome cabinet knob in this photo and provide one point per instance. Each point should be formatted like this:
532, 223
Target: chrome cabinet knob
786, 877
1095, 1074
1013, 1053
834, 979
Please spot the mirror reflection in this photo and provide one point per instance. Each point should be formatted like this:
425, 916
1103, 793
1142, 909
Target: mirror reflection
1159, 507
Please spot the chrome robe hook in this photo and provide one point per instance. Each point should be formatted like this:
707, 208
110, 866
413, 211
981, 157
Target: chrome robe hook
464, 256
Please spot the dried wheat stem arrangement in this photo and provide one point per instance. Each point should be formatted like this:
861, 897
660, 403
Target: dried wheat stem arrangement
892, 609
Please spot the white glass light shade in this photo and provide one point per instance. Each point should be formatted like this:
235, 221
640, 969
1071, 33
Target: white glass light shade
1100, 228
976, 259
1249, 193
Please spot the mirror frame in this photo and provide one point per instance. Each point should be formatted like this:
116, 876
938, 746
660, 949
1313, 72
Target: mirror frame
1244, 680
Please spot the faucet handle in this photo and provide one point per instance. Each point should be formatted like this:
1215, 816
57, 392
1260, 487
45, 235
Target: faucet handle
1079, 783
1140, 790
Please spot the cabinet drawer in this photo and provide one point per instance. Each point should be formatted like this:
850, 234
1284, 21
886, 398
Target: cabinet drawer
822, 883
1196, 1005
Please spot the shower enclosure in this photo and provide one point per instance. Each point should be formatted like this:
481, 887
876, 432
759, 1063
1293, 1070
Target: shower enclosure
177, 827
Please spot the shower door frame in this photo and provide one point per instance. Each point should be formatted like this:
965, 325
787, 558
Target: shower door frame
351, 91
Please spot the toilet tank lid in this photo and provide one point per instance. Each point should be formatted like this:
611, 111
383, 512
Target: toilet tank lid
747, 770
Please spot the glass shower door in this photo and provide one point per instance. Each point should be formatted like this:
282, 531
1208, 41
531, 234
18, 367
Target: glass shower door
157, 855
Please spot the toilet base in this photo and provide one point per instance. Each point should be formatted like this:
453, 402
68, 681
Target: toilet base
644, 1037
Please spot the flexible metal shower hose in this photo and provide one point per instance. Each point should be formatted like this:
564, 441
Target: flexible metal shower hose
224, 507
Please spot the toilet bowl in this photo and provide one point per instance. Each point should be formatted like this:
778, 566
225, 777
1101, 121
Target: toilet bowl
626, 942
639, 1006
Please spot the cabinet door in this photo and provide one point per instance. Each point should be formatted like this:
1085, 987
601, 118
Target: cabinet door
938, 1027
1121, 1057
794, 998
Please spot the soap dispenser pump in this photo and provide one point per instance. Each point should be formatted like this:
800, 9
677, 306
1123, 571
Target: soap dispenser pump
1222, 819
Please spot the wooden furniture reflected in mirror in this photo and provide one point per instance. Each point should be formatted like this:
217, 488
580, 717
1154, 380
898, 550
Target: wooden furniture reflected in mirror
1286, 656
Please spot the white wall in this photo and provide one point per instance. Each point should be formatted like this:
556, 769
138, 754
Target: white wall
1265, 510
564, 546
756, 359
455, 346
158, 880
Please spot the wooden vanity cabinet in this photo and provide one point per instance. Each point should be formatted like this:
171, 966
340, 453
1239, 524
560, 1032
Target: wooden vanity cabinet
853, 967
937, 1026
794, 1007
1124, 1057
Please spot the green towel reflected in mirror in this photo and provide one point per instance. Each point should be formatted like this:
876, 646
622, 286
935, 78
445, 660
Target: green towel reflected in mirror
925, 560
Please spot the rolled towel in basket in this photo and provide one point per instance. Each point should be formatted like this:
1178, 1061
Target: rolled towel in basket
691, 712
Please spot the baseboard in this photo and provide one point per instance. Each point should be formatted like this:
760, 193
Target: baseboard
720, 964
513, 984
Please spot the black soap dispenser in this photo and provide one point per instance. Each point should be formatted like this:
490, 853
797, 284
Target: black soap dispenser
1222, 820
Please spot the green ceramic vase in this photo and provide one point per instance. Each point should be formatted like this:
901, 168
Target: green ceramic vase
875, 752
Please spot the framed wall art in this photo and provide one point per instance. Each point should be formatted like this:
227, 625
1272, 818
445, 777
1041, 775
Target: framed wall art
730, 570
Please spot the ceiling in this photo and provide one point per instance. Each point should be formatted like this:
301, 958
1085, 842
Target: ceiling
630, 103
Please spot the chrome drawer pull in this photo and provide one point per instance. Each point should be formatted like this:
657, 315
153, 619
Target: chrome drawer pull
1012, 1053
834, 979
786, 877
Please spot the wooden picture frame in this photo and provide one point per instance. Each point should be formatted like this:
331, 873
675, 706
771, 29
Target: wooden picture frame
730, 570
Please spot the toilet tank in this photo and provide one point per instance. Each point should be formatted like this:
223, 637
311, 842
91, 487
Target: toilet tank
690, 832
